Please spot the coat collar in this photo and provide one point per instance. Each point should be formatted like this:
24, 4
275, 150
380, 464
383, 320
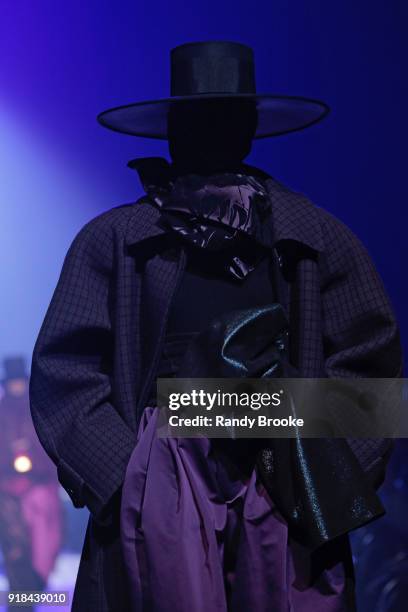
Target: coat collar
294, 216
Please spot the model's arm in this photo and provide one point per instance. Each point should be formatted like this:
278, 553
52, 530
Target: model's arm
70, 386
361, 334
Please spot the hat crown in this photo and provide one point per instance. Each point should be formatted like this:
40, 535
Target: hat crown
212, 67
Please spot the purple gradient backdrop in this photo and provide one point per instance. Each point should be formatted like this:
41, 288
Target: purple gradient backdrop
62, 63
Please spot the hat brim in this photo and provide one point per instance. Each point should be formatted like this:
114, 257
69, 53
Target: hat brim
277, 114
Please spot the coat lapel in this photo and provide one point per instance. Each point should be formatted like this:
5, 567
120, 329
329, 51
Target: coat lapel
294, 216
160, 274
298, 242
160, 280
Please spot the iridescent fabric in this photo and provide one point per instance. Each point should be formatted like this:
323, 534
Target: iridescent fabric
254, 344
216, 212
202, 531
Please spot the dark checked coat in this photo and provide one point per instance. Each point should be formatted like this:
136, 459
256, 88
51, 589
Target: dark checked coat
95, 356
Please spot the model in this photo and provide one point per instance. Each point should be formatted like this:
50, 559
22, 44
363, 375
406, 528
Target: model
151, 289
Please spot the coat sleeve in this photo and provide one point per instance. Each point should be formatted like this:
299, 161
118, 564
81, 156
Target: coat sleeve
71, 371
360, 332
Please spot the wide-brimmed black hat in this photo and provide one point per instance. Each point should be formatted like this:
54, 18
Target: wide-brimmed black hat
214, 70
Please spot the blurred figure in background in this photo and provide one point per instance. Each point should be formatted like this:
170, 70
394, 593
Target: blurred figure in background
31, 516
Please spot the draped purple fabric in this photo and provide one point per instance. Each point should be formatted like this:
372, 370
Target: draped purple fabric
198, 536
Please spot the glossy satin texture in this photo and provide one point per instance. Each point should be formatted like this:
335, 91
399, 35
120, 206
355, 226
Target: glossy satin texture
199, 534
317, 484
245, 343
199, 531
214, 212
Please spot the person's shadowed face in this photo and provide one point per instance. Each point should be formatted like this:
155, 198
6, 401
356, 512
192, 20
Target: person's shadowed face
211, 134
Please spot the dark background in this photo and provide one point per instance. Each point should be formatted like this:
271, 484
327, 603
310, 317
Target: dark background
62, 63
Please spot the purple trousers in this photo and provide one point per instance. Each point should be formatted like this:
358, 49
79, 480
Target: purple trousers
199, 537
